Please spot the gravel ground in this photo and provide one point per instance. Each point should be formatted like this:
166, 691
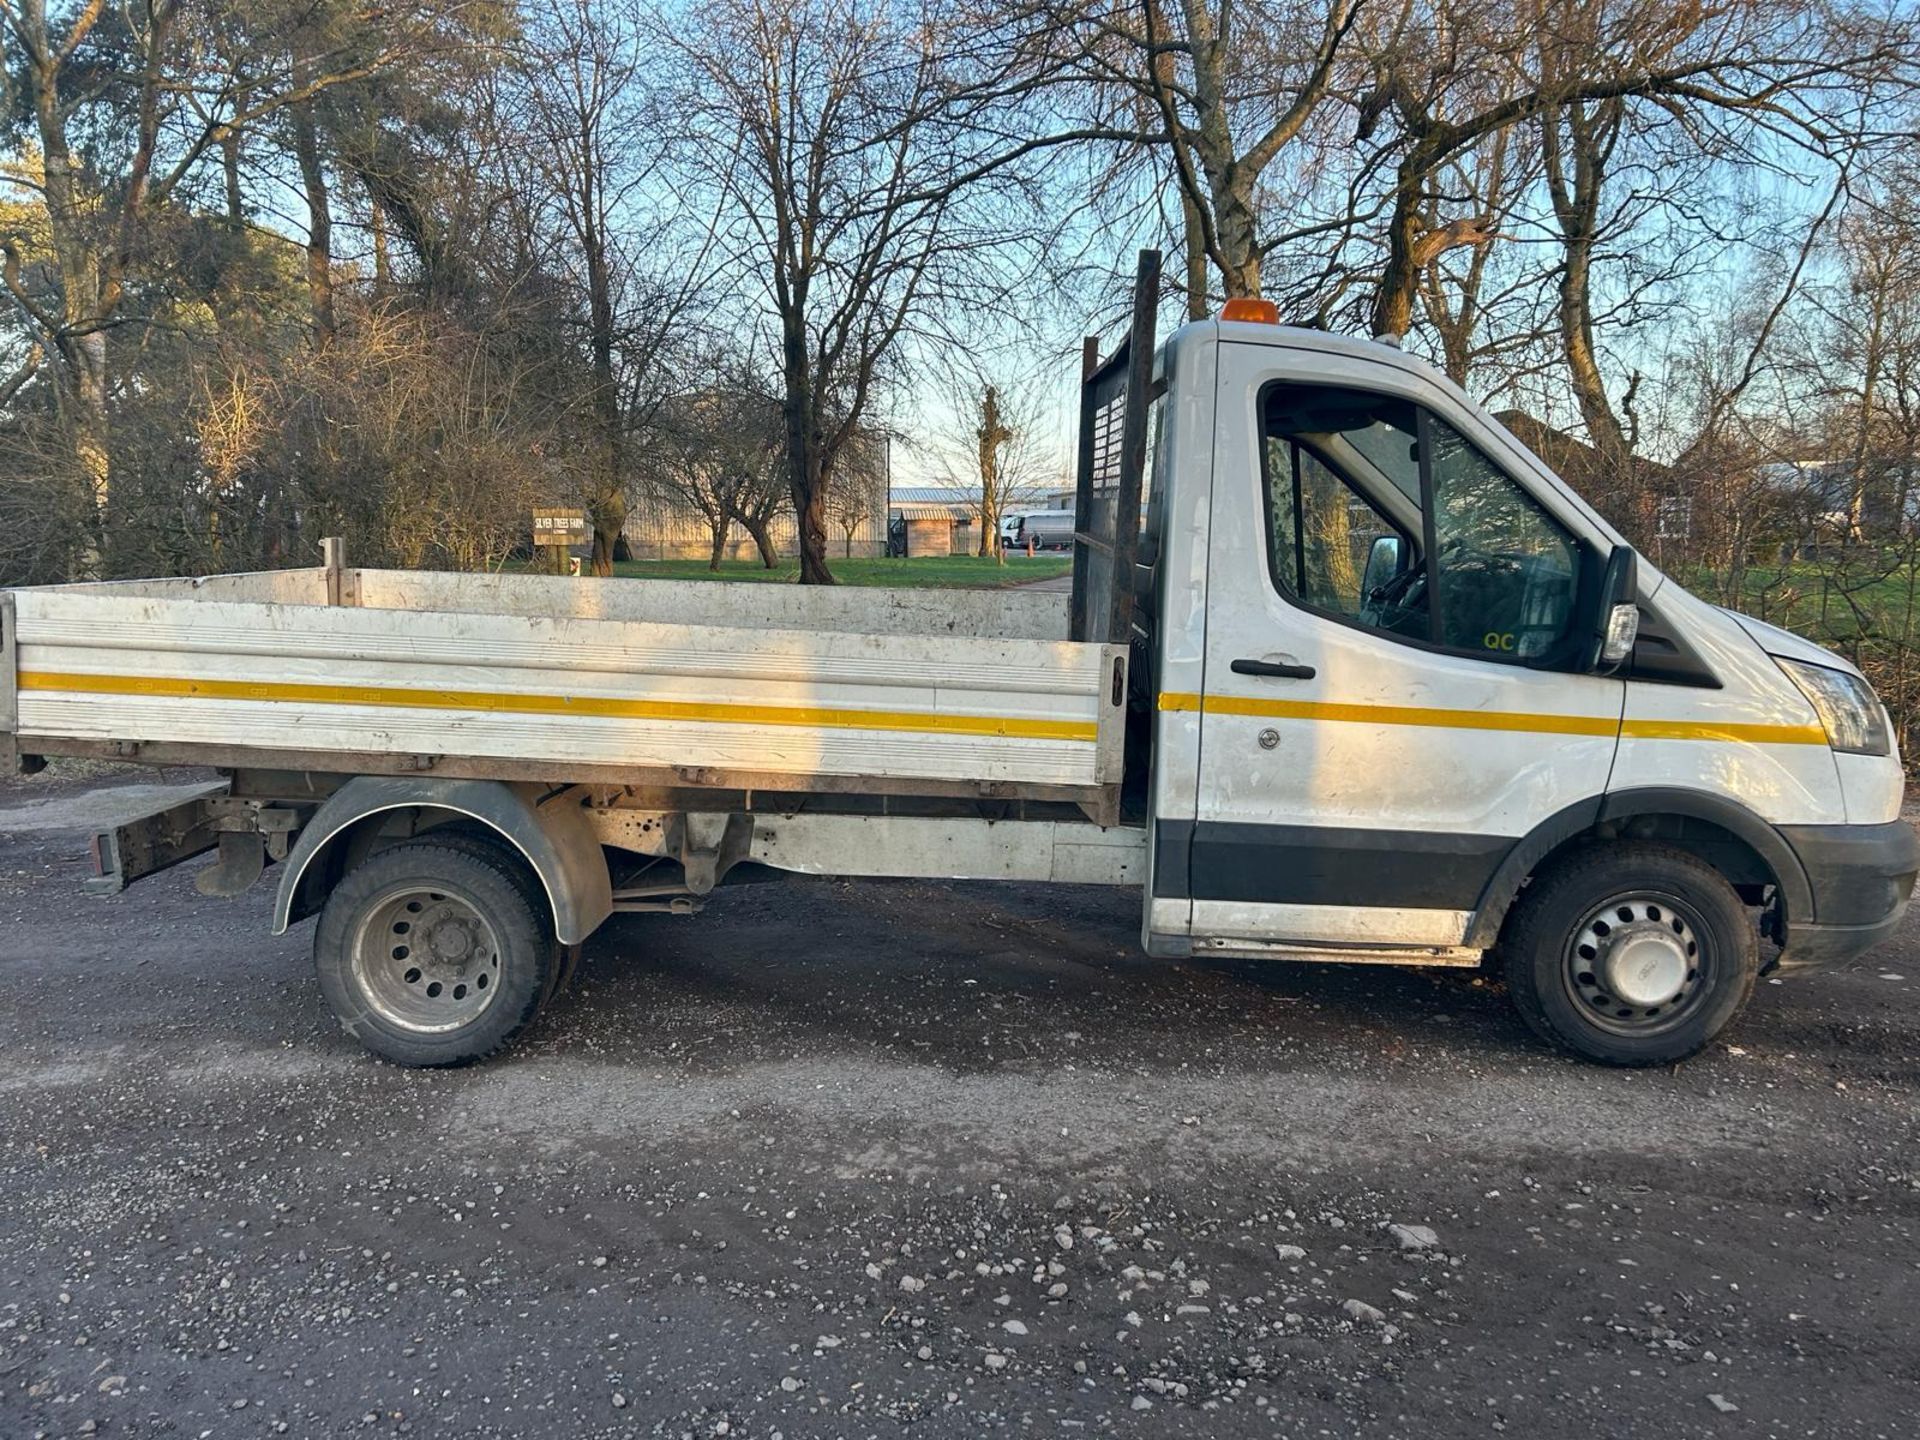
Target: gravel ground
933, 1160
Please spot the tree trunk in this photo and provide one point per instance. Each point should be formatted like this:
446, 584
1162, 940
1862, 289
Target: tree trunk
609, 502
810, 509
230, 167
382, 266
806, 477
1575, 162
1393, 302
719, 528
760, 528
608, 512
1238, 230
1604, 429
1196, 245
78, 330
92, 440
1873, 361
991, 435
313, 176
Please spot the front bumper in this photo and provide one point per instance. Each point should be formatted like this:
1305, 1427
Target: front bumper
1861, 877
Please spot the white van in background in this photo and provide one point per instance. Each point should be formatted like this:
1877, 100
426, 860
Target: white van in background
1040, 530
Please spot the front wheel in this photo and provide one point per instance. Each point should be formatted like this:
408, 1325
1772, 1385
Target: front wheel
1630, 954
435, 951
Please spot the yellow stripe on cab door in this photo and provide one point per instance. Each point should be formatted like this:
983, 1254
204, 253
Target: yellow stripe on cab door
1507, 720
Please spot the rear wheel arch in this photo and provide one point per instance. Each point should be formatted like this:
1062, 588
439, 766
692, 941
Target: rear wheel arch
554, 839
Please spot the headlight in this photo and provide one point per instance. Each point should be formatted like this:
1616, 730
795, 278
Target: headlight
1849, 710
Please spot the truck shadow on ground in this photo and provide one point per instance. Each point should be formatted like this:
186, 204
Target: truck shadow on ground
977, 978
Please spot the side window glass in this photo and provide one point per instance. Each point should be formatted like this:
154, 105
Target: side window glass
1322, 533
1505, 568
1383, 515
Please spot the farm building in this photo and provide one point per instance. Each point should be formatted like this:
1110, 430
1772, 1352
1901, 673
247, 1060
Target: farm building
665, 527
918, 511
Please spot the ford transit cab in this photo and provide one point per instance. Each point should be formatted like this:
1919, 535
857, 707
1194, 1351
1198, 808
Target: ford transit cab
1413, 694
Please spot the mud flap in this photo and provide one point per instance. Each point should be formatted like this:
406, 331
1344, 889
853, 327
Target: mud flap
243, 856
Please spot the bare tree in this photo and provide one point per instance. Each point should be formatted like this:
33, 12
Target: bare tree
1225, 91
590, 147
1454, 74
867, 163
718, 452
859, 493
992, 437
1480, 302
1867, 375
989, 450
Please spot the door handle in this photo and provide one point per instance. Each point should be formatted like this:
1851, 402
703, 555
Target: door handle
1283, 669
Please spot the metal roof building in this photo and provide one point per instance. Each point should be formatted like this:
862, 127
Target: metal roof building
927, 510
967, 501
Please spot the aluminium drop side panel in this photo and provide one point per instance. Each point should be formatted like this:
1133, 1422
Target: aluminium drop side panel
321, 680
280, 587
979, 614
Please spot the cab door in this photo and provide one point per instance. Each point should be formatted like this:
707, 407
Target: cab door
1392, 691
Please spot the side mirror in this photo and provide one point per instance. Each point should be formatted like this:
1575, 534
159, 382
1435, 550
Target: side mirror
1616, 612
1383, 563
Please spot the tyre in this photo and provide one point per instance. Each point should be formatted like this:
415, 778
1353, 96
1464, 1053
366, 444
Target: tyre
1630, 953
437, 951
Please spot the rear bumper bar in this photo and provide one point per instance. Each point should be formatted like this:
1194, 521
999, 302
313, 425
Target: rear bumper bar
1861, 878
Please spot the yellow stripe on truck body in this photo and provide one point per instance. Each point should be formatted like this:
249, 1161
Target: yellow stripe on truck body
174, 687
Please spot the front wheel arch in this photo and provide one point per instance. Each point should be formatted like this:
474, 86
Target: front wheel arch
1743, 848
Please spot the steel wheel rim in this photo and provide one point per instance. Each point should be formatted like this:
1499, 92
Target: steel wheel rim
425, 959
1638, 964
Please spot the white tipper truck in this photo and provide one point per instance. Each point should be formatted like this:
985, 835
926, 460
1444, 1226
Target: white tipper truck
1367, 684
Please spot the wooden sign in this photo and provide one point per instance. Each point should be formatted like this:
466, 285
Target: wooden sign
560, 527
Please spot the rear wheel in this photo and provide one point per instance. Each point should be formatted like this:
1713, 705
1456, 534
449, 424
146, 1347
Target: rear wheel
436, 951
1630, 954
485, 843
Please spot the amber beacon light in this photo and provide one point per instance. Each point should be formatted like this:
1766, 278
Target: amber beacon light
1260, 312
